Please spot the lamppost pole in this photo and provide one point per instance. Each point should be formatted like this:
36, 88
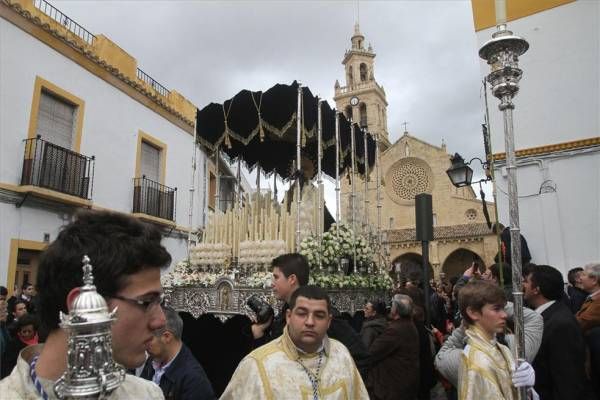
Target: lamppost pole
502, 54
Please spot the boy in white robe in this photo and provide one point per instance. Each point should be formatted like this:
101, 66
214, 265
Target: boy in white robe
487, 366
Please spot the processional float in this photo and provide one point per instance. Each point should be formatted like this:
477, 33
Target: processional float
289, 133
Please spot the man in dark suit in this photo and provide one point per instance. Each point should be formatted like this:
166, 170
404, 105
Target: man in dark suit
560, 363
172, 366
576, 296
394, 373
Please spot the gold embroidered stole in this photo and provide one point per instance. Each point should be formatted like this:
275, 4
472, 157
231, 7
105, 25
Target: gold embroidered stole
486, 369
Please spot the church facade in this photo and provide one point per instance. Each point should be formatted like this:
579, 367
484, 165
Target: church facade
408, 167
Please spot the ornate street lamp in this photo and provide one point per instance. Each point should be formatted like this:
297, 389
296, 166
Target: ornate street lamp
502, 54
460, 174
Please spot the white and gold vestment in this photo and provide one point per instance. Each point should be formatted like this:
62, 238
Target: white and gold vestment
275, 371
486, 368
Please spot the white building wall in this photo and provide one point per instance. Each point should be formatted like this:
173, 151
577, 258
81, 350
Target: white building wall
558, 101
112, 120
559, 96
562, 227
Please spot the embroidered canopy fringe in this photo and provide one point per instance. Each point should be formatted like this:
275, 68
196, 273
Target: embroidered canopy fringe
227, 130
260, 120
259, 128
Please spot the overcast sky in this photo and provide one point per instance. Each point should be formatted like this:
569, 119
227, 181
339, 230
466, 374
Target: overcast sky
209, 50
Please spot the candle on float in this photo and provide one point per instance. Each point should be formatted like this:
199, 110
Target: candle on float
262, 224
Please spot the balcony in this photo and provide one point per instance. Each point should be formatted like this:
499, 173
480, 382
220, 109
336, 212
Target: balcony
160, 89
49, 166
64, 20
153, 199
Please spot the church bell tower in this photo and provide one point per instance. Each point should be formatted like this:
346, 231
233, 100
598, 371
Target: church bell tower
371, 109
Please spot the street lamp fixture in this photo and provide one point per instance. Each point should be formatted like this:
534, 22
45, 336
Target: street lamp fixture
460, 173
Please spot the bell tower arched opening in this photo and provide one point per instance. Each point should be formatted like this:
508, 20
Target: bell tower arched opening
363, 115
363, 72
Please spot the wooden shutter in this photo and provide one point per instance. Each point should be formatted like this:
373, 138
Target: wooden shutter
150, 163
56, 119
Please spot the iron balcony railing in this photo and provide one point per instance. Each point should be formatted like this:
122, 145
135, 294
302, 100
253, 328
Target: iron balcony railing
53, 167
64, 20
163, 91
154, 199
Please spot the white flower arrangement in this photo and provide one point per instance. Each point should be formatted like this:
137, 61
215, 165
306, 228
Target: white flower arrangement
333, 281
185, 275
338, 242
260, 280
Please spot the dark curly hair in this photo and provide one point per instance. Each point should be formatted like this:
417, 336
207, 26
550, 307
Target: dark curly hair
118, 246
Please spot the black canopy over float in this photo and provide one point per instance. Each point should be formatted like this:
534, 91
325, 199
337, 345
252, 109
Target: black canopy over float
260, 128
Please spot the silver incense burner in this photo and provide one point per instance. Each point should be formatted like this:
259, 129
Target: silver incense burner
91, 371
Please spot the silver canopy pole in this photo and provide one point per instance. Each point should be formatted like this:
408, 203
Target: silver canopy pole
192, 190
239, 183
337, 168
366, 177
381, 258
353, 194
502, 54
338, 203
258, 188
319, 179
298, 168
217, 180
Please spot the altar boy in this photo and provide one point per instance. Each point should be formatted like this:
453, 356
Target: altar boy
487, 366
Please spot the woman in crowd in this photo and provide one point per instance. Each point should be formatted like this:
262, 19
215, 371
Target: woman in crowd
26, 335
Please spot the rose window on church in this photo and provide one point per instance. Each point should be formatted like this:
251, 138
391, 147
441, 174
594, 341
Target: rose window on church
471, 214
407, 178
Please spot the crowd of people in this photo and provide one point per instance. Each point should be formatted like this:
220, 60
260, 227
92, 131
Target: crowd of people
18, 325
392, 349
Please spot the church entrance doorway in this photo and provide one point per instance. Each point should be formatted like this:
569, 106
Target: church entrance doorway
409, 267
459, 260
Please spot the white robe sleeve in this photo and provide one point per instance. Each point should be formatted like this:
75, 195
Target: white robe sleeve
246, 382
